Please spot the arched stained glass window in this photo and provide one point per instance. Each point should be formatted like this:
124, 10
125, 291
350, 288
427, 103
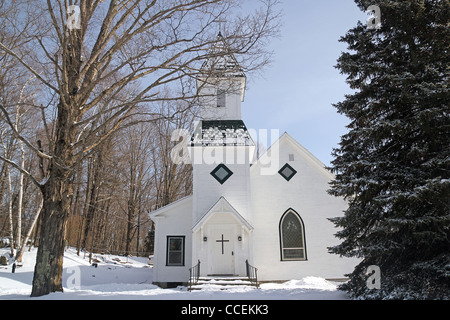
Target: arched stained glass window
292, 236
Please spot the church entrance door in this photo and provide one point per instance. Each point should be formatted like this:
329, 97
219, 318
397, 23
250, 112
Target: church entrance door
222, 253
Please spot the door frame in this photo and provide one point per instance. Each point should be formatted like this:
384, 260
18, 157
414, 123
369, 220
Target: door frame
215, 230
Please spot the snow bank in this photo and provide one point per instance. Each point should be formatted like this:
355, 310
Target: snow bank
117, 277
308, 283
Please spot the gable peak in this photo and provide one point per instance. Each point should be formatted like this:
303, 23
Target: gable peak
221, 61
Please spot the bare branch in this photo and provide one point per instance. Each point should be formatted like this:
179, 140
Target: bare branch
22, 170
26, 65
19, 136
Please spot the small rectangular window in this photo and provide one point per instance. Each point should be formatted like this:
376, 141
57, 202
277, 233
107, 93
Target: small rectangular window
175, 251
221, 97
291, 157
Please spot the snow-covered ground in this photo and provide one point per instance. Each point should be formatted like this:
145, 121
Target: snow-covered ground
132, 279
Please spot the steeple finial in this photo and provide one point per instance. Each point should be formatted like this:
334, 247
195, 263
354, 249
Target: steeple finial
220, 21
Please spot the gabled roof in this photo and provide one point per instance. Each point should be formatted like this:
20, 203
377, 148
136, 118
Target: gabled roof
222, 206
301, 149
222, 62
170, 206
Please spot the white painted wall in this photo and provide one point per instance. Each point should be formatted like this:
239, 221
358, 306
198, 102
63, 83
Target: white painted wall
234, 94
306, 193
207, 190
261, 200
176, 220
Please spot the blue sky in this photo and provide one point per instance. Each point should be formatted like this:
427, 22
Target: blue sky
296, 92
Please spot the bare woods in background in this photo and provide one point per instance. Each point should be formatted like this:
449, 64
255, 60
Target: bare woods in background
87, 108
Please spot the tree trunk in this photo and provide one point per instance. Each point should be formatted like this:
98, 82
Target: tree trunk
93, 199
56, 193
49, 261
27, 237
10, 213
130, 222
138, 227
80, 241
20, 200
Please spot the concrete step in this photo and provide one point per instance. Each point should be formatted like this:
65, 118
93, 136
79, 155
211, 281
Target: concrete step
225, 282
221, 282
218, 287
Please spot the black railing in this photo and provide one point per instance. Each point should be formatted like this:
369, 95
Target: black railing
252, 274
194, 274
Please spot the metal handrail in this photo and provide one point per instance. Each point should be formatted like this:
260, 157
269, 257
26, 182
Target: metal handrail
252, 274
194, 274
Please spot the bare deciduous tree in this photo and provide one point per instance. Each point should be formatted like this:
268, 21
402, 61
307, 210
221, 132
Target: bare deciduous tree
96, 69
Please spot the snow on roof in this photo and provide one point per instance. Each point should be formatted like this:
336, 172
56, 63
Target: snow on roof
221, 133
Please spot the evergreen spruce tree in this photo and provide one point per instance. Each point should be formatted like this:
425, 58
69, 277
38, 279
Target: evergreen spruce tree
393, 165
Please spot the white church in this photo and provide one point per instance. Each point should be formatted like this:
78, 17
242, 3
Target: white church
268, 212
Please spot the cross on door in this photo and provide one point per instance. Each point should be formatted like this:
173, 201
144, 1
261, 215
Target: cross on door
222, 242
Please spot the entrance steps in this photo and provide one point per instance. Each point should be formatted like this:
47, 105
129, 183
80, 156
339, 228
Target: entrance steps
221, 282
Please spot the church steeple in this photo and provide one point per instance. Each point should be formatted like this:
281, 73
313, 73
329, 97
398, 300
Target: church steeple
221, 83
221, 147
221, 62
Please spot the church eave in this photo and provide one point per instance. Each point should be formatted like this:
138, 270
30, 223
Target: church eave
231, 210
306, 154
170, 206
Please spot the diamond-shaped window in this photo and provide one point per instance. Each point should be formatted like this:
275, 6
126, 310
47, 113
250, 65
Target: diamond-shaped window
221, 173
287, 172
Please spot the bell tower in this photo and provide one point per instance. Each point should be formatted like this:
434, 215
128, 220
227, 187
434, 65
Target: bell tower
221, 84
221, 151
221, 148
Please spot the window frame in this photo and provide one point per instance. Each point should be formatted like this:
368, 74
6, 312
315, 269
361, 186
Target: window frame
221, 97
287, 165
221, 166
182, 263
303, 237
